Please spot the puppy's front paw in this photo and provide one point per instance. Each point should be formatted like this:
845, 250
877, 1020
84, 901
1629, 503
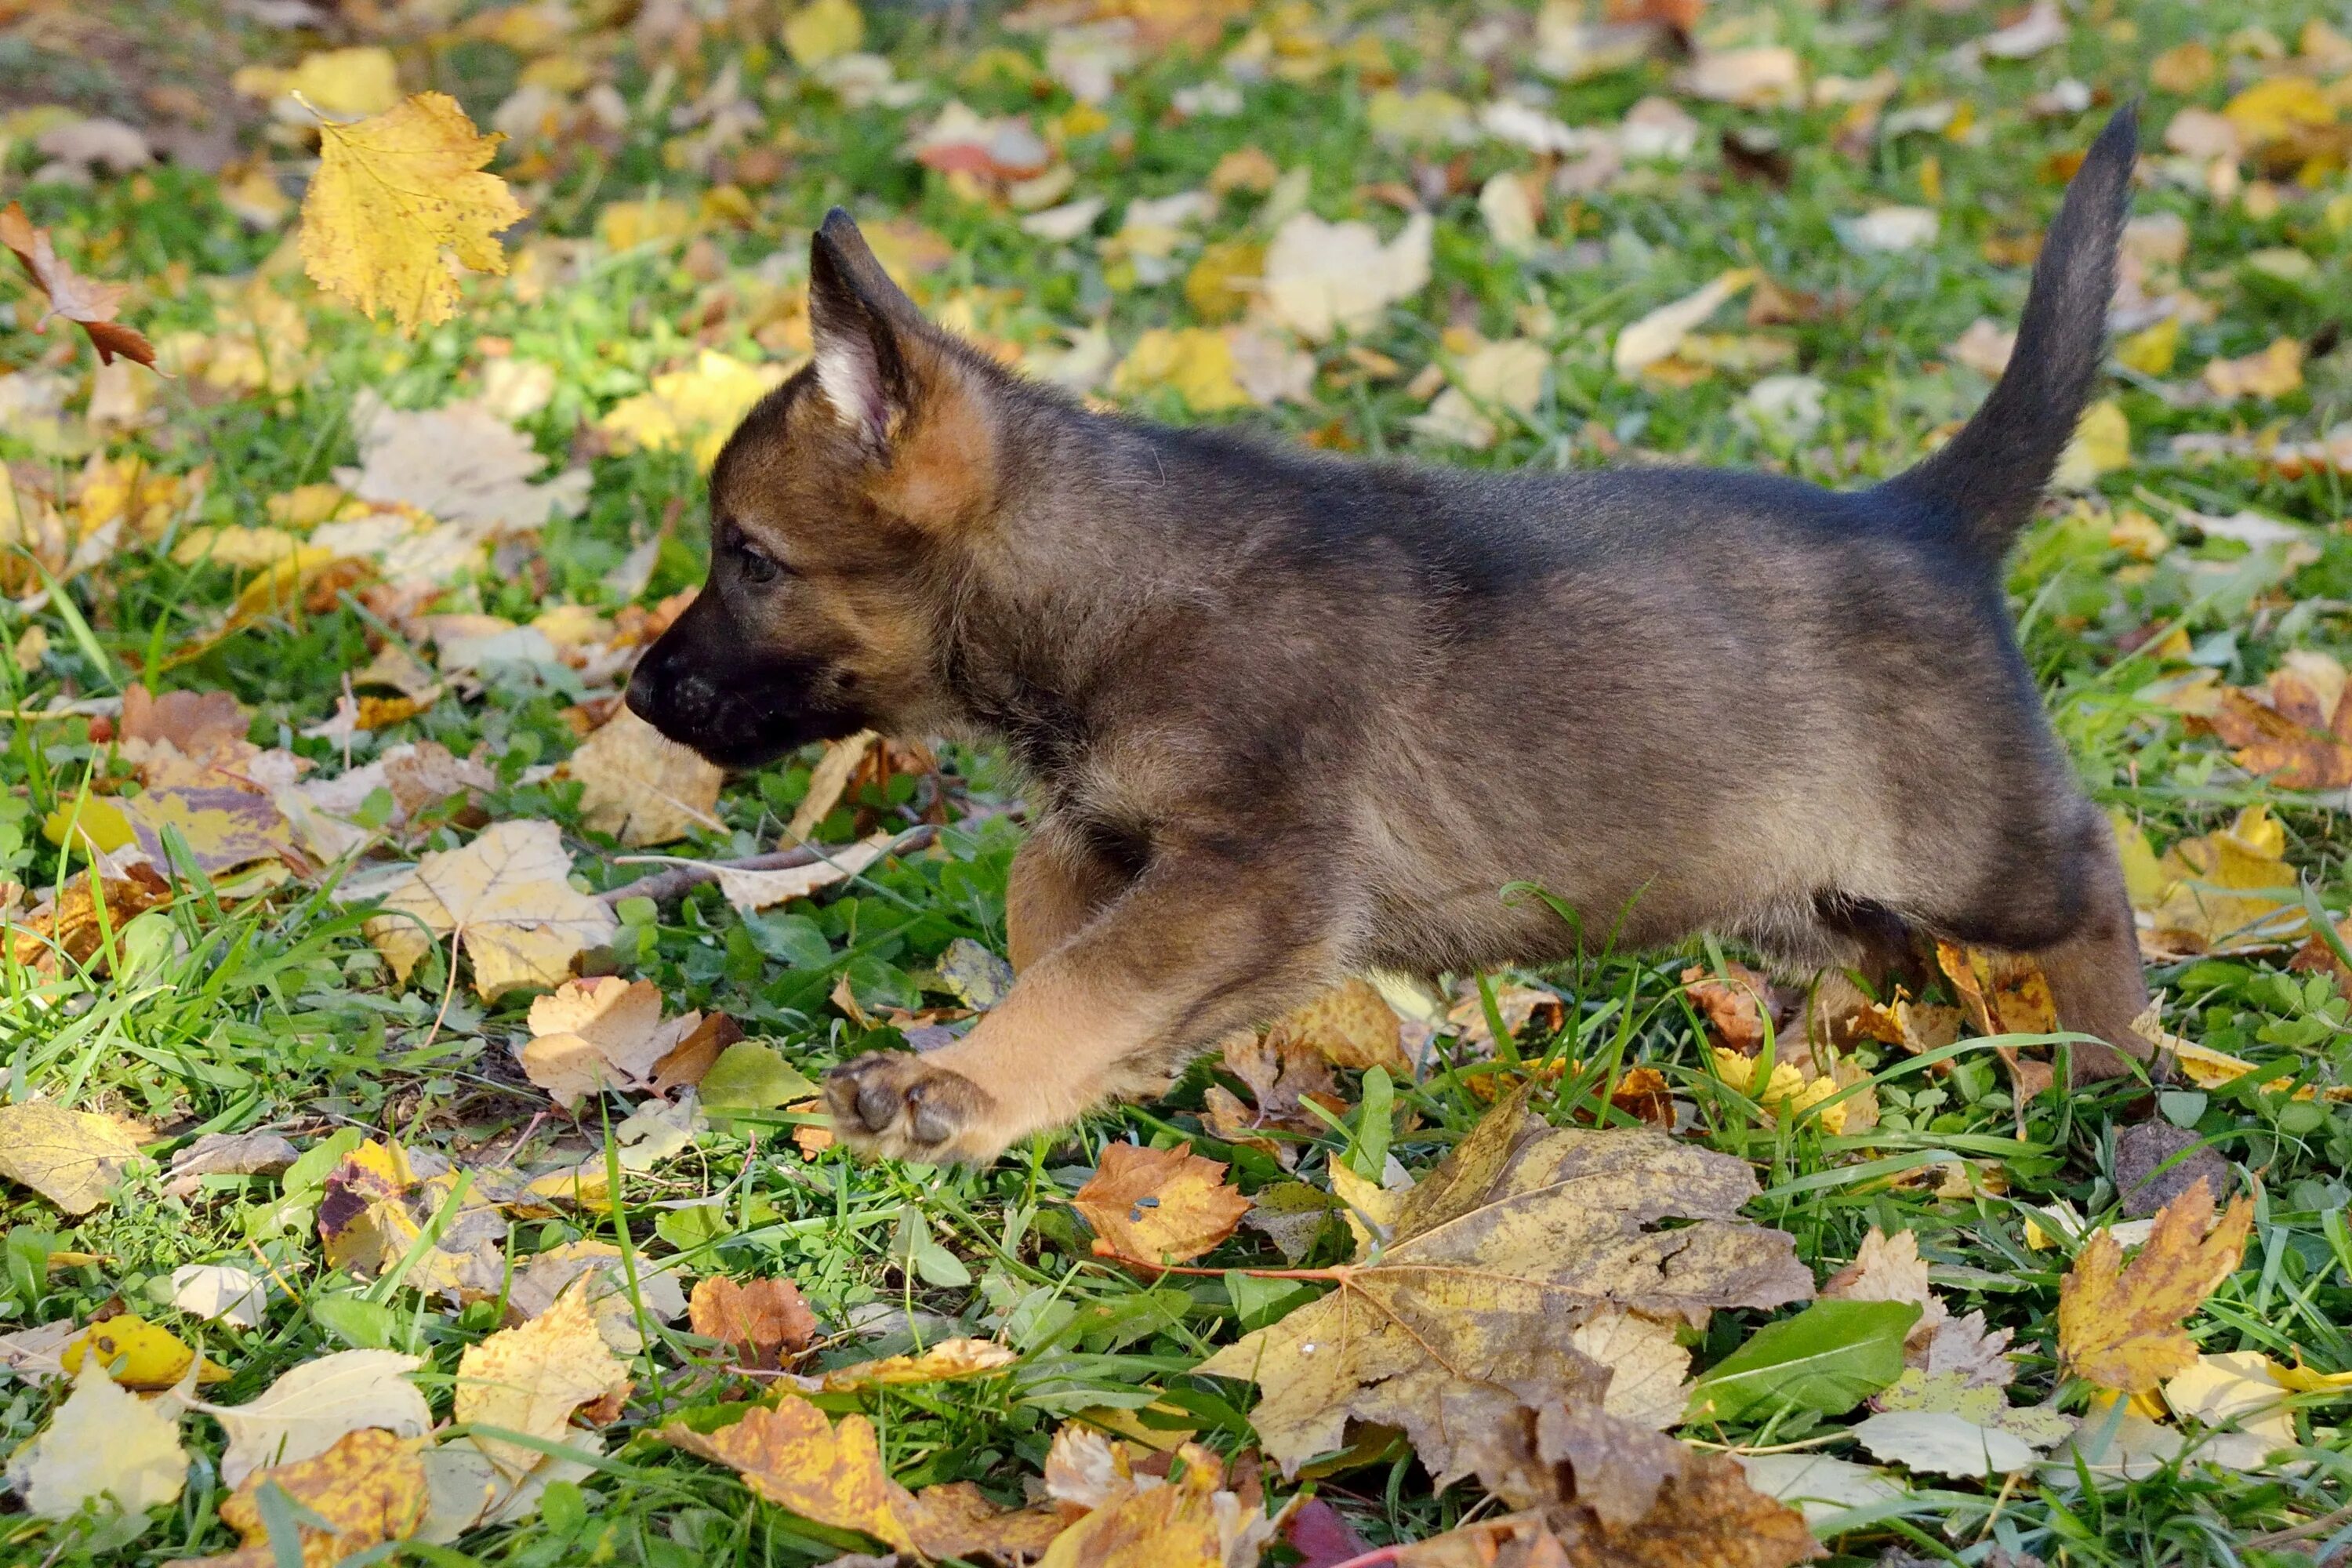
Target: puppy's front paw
897, 1104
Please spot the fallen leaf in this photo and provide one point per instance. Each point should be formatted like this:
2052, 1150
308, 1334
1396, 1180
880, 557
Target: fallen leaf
219, 1292
1598, 1492
2277, 107
2273, 373
828, 782
345, 82
1649, 1368
613, 1299
1350, 1026
1755, 77
89, 305
1142, 1521
137, 1353
1946, 1423
1828, 1358
764, 1321
792, 1455
1195, 363
1159, 1206
75, 929
73, 1158
103, 1442
1323, 279
605, 1033
693, 408
505, 899
2121, 1327
392, 194
1821, 1487
373, 1212
1655, 336
1518, 1238
2001, 994
2101, 444
1893, 229
2239, 1389
368, 1489
752, 1075
463, 464
823, 30
2229, 890
1889, 1268
313, 1407
945, 1361
531, 1379
642, 787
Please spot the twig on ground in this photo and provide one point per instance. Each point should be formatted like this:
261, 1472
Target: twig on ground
673, 883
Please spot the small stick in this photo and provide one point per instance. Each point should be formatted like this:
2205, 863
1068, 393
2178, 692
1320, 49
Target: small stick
673, 883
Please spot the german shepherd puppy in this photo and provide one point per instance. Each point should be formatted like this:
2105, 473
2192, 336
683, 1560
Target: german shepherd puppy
1289, 716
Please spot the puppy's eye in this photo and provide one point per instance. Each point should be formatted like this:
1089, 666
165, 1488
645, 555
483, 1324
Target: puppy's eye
756, 564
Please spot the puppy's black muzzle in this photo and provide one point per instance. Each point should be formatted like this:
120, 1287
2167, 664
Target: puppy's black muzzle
704, 684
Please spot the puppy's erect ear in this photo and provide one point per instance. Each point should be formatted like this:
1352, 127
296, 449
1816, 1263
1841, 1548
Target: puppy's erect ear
904, 394
861, 322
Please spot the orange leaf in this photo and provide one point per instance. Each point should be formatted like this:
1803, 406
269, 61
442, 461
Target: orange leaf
1162, 1206
762, 1319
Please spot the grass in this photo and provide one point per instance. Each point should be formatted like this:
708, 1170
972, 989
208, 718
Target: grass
275, 1012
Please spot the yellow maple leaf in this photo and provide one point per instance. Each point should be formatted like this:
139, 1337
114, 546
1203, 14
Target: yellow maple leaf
2227, 892
1196, 362
505, 899
2120, 1327
103, 1442
642, 786
2277, 108
596, 1034
531, 1379
347, 83
824, 30
698, 407
1159, 1206
1351, 1025
369, 1488
2150, 351
793, 1457
2102, 444
391, 194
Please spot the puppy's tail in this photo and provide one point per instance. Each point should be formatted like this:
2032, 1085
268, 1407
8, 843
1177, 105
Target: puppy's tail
1987, 478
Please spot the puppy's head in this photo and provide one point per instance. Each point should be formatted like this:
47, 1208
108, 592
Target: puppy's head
837, 509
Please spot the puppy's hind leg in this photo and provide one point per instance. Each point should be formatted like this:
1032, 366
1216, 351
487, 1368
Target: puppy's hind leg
2059, 896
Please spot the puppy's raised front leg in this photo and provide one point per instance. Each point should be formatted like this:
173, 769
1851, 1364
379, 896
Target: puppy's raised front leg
1059, 881
1198, 944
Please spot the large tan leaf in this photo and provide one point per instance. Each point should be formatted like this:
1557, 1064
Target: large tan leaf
641, 787
2121, 1327
597, 1033
505, 899
394, 192
1520, 1237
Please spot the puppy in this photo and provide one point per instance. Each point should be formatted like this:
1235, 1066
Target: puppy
1289, 716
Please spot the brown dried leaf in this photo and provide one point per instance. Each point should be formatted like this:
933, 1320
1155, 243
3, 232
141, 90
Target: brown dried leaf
1522, 1234
89, 304
1350, 1026
765, 1321
1159, 1205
